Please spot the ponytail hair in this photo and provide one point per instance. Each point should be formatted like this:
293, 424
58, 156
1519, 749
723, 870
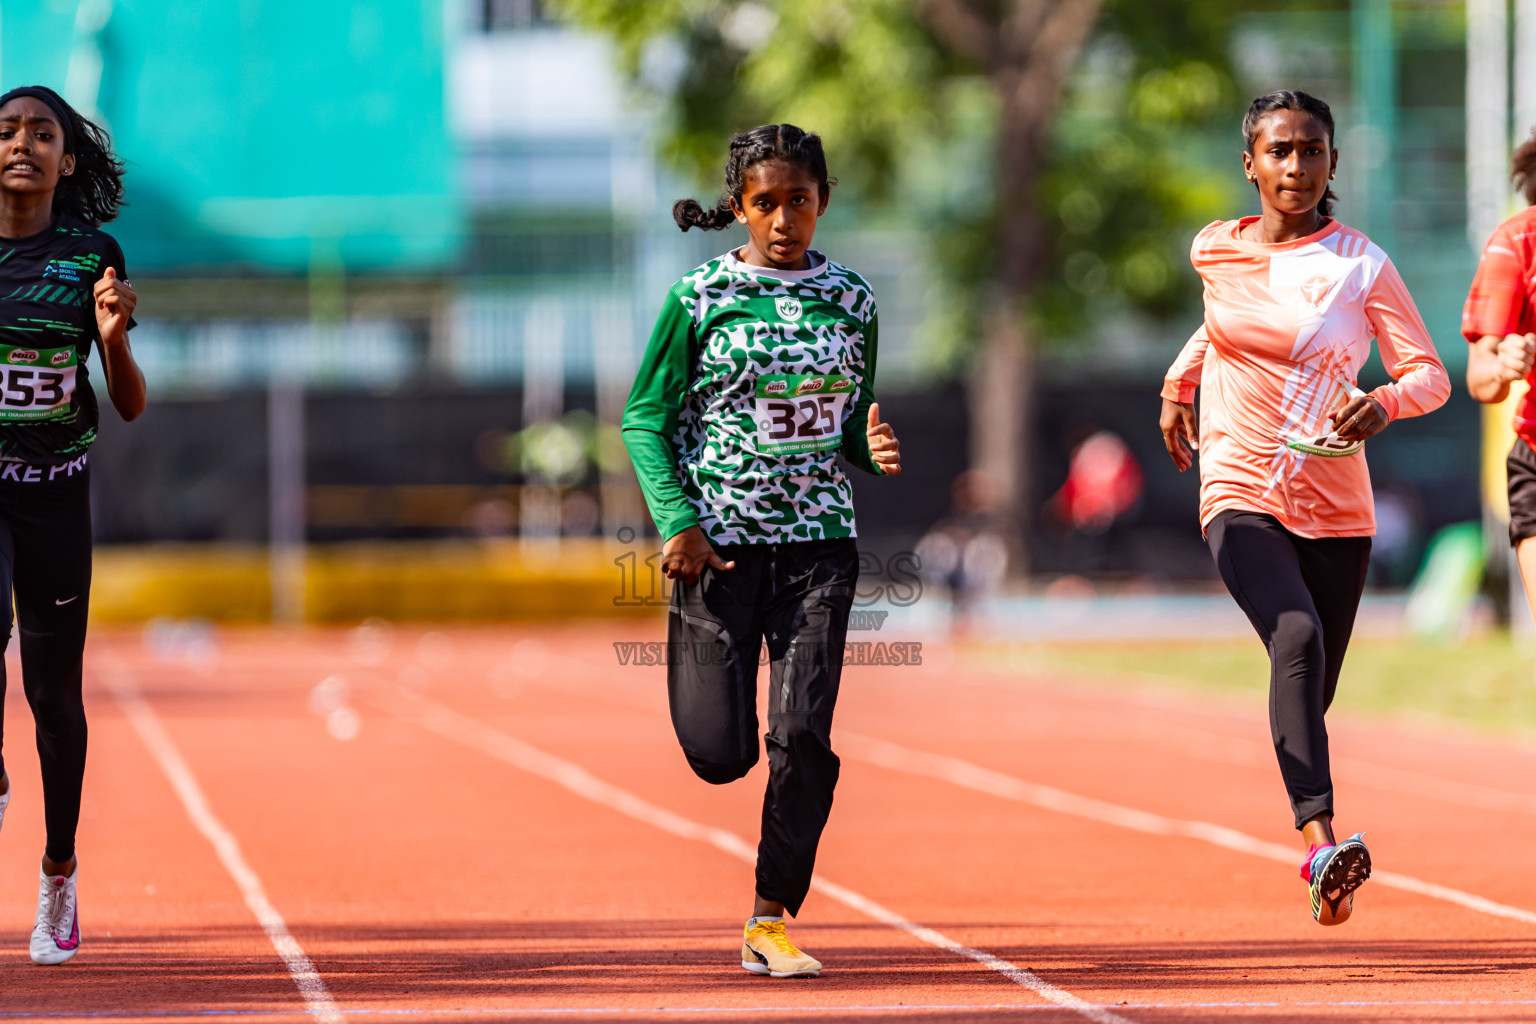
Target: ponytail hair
689, 214
1290, 99
1523, 169
766, 142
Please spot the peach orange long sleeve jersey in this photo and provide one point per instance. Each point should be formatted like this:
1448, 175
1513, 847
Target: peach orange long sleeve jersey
1287, 327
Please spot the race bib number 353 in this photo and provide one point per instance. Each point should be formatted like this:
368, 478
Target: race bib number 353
36, 383
801, 413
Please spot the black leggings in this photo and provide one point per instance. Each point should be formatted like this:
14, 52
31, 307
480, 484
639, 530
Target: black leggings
1301, 596
796, 596
45, 560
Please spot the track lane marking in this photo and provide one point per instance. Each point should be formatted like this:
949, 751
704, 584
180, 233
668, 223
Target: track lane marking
968, 775
125, 690
450, 724
1224, 748
1486, 797
1238, 750
1173, 699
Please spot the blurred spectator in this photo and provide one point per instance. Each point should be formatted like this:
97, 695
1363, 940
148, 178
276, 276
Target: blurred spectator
1399, 541
966, 554
491, 519
1103, 482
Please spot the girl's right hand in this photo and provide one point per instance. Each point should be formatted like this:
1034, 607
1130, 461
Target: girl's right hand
685, 554
1179, 424
1517, 353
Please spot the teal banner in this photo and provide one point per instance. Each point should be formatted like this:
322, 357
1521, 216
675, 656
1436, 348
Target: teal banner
263, 135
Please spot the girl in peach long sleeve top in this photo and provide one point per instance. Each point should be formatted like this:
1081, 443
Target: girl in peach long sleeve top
1292, 301
1287, 327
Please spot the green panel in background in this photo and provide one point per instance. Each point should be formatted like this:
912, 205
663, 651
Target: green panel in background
260, 134
1441, 600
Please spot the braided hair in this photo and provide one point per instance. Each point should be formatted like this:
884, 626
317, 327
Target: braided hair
1523, 169
1290, 99
766, 142
94, 192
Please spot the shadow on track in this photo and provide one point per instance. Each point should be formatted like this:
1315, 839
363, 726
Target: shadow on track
644, 966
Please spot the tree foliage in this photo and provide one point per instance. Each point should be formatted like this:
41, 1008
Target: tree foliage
1143, 156
1058, 155
912, 109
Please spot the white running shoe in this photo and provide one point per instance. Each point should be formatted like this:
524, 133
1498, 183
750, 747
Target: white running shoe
5, 801
56, 936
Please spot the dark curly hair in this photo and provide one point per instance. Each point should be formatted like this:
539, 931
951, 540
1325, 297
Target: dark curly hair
1290, 99
1522, 169
765, 142
94, 192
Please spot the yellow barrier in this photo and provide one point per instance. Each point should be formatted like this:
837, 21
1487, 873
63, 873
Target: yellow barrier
449, 581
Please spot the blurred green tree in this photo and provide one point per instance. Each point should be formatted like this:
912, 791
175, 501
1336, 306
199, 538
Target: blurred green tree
1057, 153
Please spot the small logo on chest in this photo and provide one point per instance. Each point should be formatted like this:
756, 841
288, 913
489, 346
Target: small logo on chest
64, 270
789, 309
1316, 289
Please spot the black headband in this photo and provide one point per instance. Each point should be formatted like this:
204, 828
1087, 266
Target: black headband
37, 92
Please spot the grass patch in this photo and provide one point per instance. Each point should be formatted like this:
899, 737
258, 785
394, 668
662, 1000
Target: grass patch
1488, 682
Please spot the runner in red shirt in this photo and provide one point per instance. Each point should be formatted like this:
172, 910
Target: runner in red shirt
1500, 323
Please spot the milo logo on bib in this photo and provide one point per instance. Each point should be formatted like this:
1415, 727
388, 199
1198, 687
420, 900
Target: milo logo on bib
37, 384
801, 412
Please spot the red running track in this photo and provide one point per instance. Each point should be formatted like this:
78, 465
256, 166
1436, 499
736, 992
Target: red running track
497, 825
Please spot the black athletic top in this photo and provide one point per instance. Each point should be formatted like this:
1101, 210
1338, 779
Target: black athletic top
48, 411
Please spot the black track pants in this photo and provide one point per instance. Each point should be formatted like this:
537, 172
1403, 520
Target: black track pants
45, 560
795, 596
1301, 596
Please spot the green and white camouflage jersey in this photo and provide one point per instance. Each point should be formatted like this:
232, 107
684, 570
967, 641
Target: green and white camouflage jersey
752, 383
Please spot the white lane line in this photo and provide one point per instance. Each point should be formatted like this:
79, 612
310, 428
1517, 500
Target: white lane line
317, 998
967, 775
1228, 749
1434, 787
448, 723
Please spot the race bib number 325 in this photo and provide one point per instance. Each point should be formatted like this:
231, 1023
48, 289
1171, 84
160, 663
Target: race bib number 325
36, 383
801, 412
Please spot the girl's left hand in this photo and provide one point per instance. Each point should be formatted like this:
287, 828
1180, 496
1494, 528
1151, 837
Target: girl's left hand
884, 449
115, 300
1359, 418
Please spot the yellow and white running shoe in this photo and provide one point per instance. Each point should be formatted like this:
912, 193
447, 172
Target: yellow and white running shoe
765, 949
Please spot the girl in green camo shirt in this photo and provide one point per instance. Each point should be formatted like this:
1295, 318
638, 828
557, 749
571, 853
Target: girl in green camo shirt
760, 371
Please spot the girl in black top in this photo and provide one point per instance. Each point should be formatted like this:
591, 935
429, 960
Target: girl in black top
63, 289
